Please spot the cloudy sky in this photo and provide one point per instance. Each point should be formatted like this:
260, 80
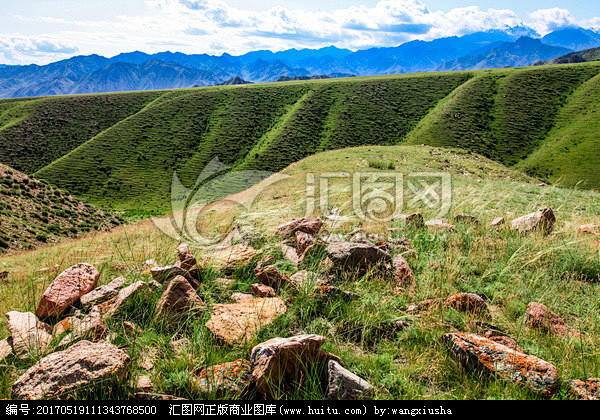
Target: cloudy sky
42, 31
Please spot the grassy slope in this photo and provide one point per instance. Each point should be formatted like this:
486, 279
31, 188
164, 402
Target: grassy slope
509, 269
34, 133
34, 213
504, 114
573, 143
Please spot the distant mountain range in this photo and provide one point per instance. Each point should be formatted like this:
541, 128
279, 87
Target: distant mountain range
517, 46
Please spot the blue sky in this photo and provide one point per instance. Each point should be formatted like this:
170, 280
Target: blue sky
41, 31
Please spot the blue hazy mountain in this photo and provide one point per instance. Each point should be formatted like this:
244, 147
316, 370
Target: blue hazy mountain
137, 70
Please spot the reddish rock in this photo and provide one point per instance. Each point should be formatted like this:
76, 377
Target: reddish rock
266, 261
169, 272
498, 360
29, 335
178, 302
303, 241
271, 276
588, 390
538, 316
187, 260
467, 302
262, 290
291, 254
509, 342
79, 367
403, 275
498, 221
227, 380
593, 229
310, 226
423, 306
542, 219
238, 296
238, 322
278, 362
90, 327
66, 289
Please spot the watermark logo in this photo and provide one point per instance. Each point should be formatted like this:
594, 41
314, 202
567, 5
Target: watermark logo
365, 196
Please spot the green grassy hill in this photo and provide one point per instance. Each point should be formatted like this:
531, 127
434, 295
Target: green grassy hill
119, 151
34, 213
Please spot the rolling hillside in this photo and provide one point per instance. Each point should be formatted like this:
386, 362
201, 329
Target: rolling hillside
119, 151
34, 213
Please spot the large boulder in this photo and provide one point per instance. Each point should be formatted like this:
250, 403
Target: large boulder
345, 385
103, 293
77, 368
276, 363
29, 335
542, 219
538, 316
356, 256
493, 358
179, 301
238, 322
66, 289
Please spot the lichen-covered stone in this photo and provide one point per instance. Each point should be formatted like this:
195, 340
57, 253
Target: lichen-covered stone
496, 359
403, 274
227, 380
588, 390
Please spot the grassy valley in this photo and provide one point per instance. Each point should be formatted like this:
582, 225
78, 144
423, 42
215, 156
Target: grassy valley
119, 151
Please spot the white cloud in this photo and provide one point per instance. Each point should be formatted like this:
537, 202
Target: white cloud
214, 27
548, 20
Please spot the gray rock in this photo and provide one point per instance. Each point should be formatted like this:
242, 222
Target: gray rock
29, 335
356, 256
542, 219
6, 348
345, 385
103, 293
77, 368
